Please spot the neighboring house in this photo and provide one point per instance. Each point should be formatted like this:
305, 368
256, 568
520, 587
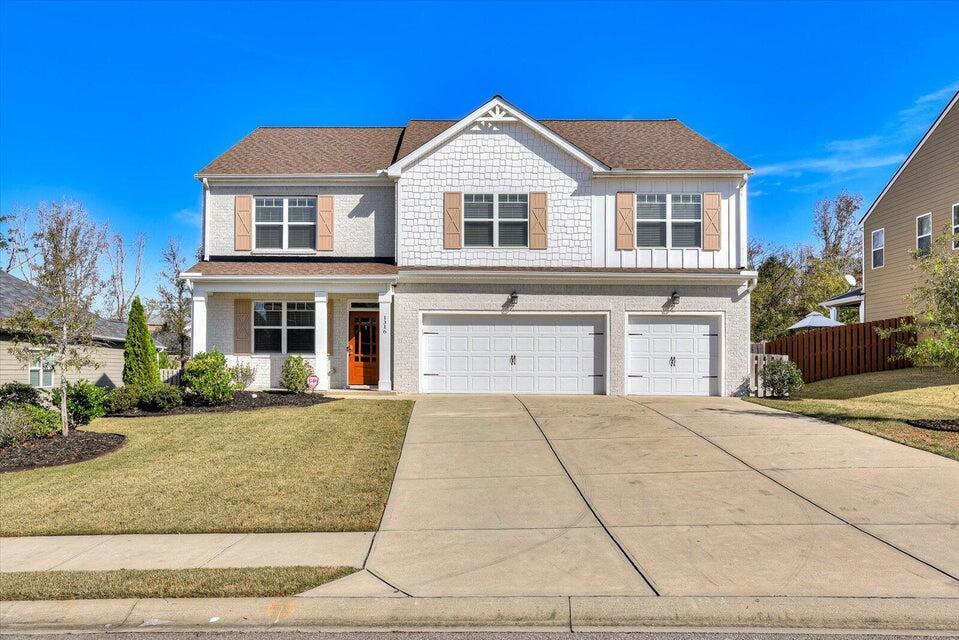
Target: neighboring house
109, 339
920, 203
850, 299
496, 253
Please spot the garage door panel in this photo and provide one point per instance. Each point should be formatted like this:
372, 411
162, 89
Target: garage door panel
673, 355
519, 354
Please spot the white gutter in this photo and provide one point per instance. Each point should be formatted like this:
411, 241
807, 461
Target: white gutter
627, 173
376, 178
200, 278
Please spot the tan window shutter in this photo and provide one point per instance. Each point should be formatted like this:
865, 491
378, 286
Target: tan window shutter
243, 223
537, 220
452, 220
324, 223
242, 325
712, 216
625, 221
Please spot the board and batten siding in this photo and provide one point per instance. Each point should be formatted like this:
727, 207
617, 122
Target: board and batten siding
604, 220
108, 373
929, 183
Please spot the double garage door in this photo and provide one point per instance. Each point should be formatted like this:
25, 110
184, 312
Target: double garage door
493, 353
566, 354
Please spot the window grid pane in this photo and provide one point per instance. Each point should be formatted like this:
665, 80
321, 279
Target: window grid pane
877, 258
302, 209
650, 206
514, 206
267, 340
269, 236
687, 206
269, 209
923, 225
687, 235
300, 314
268, 314
478, 234
302, 236
300, 340
878, 239
478, 205
651, 234
513, 234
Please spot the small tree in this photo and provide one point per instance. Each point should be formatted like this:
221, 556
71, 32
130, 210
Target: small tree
57, 325
173, 301
935, 307
140, 364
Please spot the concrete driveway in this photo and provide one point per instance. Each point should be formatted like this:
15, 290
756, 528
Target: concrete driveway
505, 495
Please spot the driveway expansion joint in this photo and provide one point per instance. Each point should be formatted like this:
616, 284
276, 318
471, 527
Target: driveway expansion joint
582, 495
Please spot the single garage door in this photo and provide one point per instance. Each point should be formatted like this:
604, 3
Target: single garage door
512, 354
672, 356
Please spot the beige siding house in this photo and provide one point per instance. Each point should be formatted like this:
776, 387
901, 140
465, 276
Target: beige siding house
108, 353
920, 203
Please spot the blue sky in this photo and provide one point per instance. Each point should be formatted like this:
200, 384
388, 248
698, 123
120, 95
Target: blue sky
118, 105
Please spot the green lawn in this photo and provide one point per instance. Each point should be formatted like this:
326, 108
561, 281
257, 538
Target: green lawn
166, 583
879, 403
323, 468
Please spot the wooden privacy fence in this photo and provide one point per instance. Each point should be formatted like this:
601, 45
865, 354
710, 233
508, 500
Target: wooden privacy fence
844, 351
756, 363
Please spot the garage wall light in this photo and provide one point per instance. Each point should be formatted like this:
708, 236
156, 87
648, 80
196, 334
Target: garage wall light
513, 299
674, 298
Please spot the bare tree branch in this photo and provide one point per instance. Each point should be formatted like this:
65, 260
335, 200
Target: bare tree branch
119, 293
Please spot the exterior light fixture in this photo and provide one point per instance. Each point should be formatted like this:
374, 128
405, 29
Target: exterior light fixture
674, 298
513, 298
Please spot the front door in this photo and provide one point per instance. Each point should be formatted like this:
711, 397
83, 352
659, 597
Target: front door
364, 348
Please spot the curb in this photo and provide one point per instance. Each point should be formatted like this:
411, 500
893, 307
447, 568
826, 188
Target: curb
548, 613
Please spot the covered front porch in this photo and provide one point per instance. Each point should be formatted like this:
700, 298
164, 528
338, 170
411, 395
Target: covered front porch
343, 328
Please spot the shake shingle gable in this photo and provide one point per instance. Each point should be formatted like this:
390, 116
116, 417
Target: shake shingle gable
632, 145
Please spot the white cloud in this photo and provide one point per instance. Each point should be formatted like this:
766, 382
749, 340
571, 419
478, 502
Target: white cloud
191, 217
886, 148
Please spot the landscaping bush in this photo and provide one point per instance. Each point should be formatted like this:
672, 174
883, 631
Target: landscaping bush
207, 376
161, 397
243, 376
45, 422
781, 378
18, 393
166, 361
15, 425
123, 398
85, 402
295, 372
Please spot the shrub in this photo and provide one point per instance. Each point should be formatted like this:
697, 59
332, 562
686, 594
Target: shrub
781, 378
207, 376
18, 393
85, 401
139, 354
45, 422
243, 375
166, 362
123, 398
15, 425
295, 372
161, 397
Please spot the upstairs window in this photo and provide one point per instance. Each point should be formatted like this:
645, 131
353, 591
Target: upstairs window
650, 219
955, 226
878, 248
924, 233
687, 224
285, 223
41, 373
284, 327
500, 220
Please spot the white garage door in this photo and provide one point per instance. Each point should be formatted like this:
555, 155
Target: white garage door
672, 356
515, 354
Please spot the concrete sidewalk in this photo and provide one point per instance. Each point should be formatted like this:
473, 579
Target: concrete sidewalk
550, 613
183, 551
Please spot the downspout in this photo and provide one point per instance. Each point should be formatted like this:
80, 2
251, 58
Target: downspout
206, 195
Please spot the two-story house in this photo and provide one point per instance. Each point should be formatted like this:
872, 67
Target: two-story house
496, 253
919, 204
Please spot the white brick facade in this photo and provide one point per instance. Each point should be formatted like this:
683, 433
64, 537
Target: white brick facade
363, 218
509, 158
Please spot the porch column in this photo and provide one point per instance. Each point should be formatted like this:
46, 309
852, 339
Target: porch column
386, 340
322, 357
198, 321
862, 310
834, 313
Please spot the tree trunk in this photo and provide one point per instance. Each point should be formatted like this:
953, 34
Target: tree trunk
64, 423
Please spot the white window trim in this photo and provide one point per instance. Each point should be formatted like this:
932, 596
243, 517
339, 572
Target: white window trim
38, 365
283, 327
873, 249
496, 194
955, 225
668, 220
286, 224
929, 235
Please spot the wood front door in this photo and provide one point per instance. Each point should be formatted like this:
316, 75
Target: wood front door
364, 348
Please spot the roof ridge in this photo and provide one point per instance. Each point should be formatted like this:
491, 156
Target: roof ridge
609, 119
331, 126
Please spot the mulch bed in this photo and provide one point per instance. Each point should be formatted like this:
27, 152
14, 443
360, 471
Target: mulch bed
936, 425
242, 401
57, 450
